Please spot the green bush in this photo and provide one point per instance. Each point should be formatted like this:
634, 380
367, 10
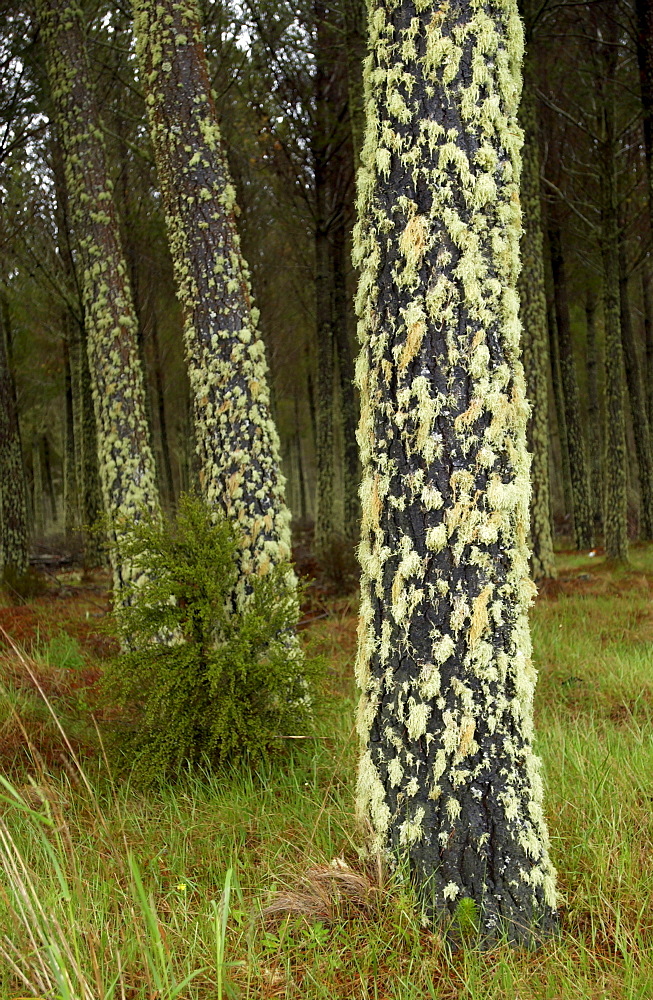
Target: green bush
200, 678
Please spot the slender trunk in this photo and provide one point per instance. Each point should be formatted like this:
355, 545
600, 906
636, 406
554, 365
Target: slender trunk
351, 471
46, 453
448, 781
583, 530
13, 498
159, 389
647, 297
615, 461
638, 407
355, 15
644, 42
535, 346
70, 492
324, 444
561, 423
125, 459
594, 436
38, 499
237, 441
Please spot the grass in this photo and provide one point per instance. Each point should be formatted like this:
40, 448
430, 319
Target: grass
109, 891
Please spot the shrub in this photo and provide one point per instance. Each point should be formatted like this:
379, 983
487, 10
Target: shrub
200, 677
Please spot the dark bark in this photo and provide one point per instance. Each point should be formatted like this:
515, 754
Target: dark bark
638, 407
535, 344
561, 422
70, 491
580, 489
448, 780
13, 499
615, 516
167, 481
594, 436
647, 297
349, 407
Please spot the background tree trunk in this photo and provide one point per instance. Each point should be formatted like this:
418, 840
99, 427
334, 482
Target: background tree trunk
237, 440
126, 464
582, 510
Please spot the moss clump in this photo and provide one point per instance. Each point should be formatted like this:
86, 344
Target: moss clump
199, 678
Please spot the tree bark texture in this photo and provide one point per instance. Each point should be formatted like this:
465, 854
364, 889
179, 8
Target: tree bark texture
13, 499
448, 780
126, 464
594, 437
237, 441
615, 516
535, 341
638, 407
578, 467
644, 17
349, 407
558, 398
647, 298
70, 491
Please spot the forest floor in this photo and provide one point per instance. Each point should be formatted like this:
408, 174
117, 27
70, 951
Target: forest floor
111, 891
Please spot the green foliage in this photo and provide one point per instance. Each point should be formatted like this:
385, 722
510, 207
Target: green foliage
200, 676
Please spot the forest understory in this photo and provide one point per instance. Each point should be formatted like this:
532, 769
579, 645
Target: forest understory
241, 884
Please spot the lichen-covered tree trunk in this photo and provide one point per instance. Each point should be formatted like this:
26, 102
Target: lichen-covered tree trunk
558, 398
236, 437
448, 780
594, 414
638, 407
86, 448
70, 491
13, 500
126, 464
535, 343
580, 484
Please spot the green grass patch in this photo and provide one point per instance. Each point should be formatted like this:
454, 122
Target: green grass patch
115, 891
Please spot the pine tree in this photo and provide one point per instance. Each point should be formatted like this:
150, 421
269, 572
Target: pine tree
13, 499
579, 470
126, 464
535, 343
236, 437
448, 780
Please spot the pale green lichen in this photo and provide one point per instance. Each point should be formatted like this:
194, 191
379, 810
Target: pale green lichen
126, 464
452, 265
238, 443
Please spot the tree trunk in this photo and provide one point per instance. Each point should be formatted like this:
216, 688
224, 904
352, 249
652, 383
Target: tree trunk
638, 407
583, 531
615, 516
13, 499
355, 15
594, 414
535, 346
324, 292
166, 464
38, 499
351, 471
237, 440
126, 464
70, 492
556, 381
448, 783
647, 297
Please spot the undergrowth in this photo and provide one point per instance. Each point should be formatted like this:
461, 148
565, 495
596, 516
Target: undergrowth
248, 883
